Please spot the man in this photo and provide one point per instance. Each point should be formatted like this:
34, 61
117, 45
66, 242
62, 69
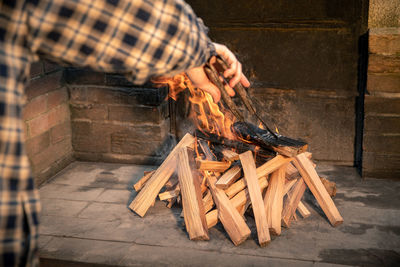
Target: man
140, 38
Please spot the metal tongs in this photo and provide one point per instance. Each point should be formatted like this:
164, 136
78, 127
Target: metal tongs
214, 76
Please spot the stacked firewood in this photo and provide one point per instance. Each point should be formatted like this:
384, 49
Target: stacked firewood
212, 190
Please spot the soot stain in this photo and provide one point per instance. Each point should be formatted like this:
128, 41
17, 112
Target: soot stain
355, 229
361, 257
371, 200
389, 229
106, 177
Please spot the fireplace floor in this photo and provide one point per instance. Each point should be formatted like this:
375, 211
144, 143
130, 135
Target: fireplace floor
86, 222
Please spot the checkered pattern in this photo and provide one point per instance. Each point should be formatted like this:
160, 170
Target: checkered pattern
140, 38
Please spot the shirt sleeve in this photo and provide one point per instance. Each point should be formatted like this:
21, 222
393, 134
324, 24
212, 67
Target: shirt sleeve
141, 38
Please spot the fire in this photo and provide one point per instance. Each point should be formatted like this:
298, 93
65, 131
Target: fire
208, 116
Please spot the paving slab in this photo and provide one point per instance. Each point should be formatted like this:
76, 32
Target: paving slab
95, 226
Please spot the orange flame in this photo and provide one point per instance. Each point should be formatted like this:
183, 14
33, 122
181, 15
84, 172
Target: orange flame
208, 116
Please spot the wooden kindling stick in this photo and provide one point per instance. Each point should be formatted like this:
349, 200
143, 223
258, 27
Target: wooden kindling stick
189, 181
149, 192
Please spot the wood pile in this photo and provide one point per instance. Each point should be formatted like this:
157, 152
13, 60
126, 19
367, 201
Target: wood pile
213, 190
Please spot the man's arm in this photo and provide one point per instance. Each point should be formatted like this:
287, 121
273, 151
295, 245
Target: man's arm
140, 38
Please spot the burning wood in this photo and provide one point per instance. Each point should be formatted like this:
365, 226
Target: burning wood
213, 166
277, 170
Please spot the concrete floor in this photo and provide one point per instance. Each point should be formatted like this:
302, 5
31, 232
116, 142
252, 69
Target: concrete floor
86, 222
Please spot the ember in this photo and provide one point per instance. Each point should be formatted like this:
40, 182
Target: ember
228, 167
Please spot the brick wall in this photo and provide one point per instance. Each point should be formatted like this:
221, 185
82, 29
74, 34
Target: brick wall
47, 122
381, 155
94, 117
112, 121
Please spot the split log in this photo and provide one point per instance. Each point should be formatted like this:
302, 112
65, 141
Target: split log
172, 182
149, 192
262, 171
229, 177
212, 218
206, 149
243, 202
304, 212
214, 166
139, 184
239, 201
311, 178
189, 182
250, 176
330, 186
288, 186
230, 218
170, 194
230, 155
290, 151
291, 172
171, 202
292, 201
208, 201
273, 200
272, 165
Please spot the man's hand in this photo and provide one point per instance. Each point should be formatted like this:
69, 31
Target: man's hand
200, 79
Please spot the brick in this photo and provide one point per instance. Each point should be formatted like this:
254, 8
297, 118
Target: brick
389, 83
86, 138
58, 115
105, 96
44, 122
133, 134
135, 114
35, 107
118, 158
92, 136
89, 156
127, 95
381, 174
381, 143
89, 111
60, 132
41, 177
138, 147
46, 158
383, 64
135, 159
78, 94
373, 161
37, 144
45, 84
83, 76
146, 94
381, 124
50, 66
384, 44
36, 69
57, 97
381, 105
38, 125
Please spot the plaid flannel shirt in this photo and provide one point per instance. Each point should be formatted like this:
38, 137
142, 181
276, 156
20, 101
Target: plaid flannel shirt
141, 38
